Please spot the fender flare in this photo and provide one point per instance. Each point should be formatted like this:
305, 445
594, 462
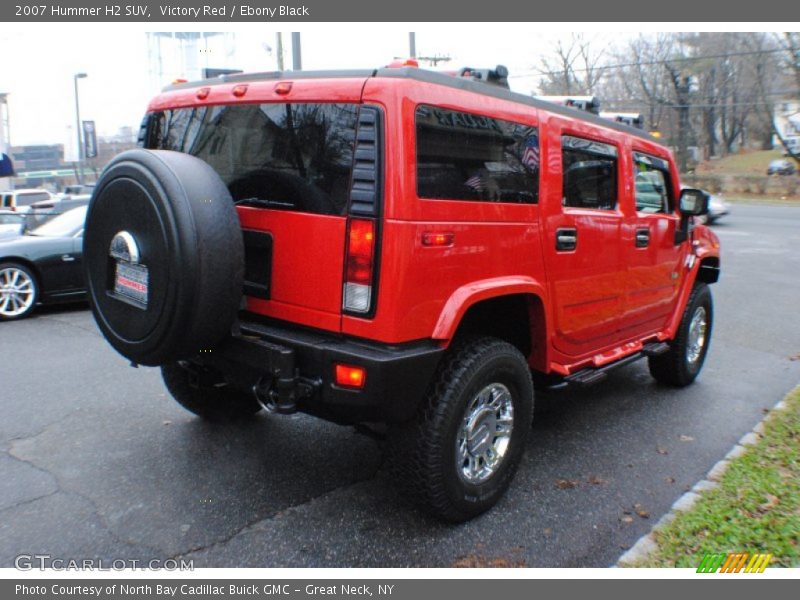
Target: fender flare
468, 295
691, 278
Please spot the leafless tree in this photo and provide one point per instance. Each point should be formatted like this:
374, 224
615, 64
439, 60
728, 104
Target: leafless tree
575, 66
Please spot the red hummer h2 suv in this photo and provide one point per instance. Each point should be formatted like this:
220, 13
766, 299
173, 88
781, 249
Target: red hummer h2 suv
396, 246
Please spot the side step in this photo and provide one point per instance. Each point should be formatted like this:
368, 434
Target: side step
590, 376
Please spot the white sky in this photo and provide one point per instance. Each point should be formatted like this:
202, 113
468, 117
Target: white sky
38, 61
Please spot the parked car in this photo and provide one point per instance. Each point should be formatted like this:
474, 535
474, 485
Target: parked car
21, 200
12, 224
781, 166
718, 207
43, 266
382, 246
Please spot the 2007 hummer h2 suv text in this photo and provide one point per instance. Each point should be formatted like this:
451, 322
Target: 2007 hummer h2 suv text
401, 247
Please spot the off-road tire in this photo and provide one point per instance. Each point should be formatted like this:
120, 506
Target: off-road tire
673, 367
421, 455
212, 402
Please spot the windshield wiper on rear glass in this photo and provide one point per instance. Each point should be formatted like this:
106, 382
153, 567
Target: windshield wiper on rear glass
264, 203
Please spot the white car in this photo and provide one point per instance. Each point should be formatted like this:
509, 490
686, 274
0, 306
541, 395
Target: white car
21, 200
718, 207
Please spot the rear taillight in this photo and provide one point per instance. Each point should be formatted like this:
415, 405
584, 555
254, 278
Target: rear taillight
359, 265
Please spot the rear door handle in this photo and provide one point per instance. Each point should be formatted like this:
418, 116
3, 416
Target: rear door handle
566, 239
642, 238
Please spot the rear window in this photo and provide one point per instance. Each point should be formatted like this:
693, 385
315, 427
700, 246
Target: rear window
295, 157
28, 199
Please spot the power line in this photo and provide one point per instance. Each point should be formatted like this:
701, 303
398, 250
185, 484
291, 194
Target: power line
534, 72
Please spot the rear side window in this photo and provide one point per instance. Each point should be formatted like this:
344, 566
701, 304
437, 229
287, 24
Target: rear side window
295, 157
589, 173
652, 184
464, 156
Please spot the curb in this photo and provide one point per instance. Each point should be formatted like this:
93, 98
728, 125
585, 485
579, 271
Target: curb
646, 545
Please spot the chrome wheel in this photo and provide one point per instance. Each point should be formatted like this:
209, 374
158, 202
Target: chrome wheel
485, 434
696, 341
17, 292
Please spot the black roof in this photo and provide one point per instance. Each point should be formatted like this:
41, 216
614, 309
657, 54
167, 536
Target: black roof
427, 76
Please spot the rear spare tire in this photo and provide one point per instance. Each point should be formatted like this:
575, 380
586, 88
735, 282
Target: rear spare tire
164, 256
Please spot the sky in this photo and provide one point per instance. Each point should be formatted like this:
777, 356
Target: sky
39, 76
38, 61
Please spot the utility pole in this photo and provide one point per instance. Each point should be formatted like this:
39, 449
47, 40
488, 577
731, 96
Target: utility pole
297, 64
412, 45
279, 49
78, 126
435, 60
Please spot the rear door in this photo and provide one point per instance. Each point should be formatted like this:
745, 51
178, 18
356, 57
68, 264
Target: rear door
581, 243
290, 169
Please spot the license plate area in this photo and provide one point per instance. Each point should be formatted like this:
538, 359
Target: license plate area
131, 284
257, 263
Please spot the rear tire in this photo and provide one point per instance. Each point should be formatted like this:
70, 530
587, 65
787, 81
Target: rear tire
682, 363
460, 454
212, 402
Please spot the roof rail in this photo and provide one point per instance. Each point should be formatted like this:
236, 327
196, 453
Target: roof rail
588, 103
626, 118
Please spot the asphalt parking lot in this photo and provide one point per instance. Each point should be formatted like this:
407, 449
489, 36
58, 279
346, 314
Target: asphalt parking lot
97, 462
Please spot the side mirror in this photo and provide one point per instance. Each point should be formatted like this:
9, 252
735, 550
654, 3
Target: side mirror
693, 202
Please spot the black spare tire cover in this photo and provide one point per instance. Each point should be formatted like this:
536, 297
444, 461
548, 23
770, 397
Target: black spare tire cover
164, 256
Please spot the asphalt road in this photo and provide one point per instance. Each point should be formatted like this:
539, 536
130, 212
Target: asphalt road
97, 462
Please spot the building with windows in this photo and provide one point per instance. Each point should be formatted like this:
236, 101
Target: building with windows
787, 124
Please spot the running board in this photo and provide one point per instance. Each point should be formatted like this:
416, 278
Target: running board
590, 376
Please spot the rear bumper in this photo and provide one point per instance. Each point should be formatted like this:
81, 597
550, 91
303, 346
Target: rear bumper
296, 366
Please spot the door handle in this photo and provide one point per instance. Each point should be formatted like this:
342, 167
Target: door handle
67, 258
566, 239
642, 238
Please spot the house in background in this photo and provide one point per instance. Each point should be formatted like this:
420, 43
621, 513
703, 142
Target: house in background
787, 124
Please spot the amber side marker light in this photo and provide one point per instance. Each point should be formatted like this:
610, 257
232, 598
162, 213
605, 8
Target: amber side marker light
437, 238
350, 376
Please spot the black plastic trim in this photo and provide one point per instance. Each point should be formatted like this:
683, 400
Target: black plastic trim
263, 350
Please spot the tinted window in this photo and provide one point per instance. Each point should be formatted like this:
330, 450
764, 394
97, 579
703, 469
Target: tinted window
462, 156
653, 191
286, 156
589, 173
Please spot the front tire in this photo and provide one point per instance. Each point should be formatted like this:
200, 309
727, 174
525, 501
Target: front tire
214, 401
460, 454
19, 291
682, 363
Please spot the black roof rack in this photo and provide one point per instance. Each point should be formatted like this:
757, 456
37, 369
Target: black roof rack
417, 74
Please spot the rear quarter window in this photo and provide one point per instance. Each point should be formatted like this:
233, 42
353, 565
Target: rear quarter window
465, 156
